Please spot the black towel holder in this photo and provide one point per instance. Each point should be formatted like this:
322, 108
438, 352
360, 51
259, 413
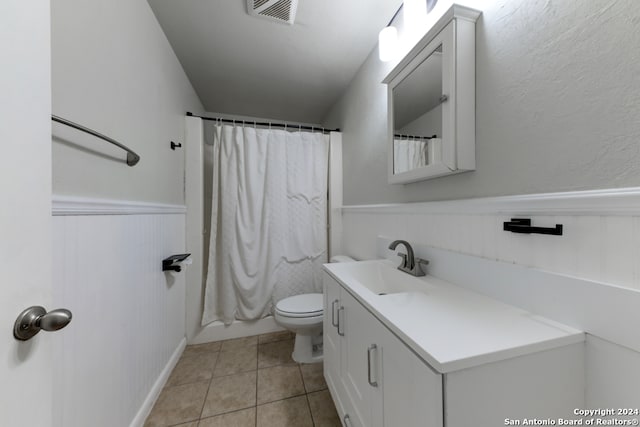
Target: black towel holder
523, 225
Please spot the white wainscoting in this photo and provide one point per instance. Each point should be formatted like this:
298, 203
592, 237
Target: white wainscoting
588, 278
128, 322
601, 240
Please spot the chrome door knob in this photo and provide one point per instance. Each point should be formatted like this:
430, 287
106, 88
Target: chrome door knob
35, 318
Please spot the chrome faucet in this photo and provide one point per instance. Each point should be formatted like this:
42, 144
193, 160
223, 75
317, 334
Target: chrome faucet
410, 264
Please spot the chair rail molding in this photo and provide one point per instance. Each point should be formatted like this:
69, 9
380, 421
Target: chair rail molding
73, 205
618, 201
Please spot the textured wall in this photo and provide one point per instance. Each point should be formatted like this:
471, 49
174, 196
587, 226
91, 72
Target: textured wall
113, 70
557, 106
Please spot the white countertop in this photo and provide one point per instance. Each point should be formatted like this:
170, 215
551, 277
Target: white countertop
452, 328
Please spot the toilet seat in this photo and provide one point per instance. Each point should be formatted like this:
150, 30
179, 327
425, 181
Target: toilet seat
301, 306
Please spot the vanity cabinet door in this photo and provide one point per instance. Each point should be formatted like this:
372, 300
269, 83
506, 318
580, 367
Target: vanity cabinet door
411, 390
374, 379
331, 342
360, 333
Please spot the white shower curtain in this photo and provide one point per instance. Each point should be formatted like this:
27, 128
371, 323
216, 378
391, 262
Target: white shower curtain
268, 235
409, 154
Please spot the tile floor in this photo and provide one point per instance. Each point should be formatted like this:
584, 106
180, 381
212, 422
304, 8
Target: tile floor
244, 382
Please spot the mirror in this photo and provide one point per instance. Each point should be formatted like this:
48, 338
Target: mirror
431, 102
417, 116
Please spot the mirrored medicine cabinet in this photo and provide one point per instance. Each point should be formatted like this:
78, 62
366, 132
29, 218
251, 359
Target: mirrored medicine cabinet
431, 102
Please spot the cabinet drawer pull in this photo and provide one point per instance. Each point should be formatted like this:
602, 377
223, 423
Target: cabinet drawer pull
369, 350
347, 421
340, 326
334, 322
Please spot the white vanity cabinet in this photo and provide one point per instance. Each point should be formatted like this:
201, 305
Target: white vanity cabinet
332, 341
376, 379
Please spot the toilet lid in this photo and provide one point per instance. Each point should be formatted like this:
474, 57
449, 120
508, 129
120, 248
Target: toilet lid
305, 305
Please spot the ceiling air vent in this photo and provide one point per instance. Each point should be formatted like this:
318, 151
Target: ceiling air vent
283, 11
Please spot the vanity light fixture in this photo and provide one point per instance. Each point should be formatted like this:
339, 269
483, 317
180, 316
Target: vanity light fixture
388, 40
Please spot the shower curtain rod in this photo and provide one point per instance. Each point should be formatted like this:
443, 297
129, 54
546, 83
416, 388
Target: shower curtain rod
280, 125
397, 135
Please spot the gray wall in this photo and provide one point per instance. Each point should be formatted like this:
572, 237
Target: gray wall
113, 70
557, 106
430, 123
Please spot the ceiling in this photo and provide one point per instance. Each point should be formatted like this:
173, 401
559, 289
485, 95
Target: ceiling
243, 65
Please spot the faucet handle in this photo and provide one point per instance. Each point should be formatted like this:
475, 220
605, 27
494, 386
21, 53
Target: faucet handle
417, 269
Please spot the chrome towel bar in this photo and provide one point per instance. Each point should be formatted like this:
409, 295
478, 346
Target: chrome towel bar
132, 157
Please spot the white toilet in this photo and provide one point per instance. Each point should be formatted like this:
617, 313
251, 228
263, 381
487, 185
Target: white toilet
303, 315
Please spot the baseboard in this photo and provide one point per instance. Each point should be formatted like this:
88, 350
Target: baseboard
217, 331
147, 405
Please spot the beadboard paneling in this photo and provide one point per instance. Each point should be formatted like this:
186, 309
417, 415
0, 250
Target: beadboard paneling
128, 316
603, 248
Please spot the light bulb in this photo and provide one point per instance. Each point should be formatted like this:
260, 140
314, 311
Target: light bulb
387, 43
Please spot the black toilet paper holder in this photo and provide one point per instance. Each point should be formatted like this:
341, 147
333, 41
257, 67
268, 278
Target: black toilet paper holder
172, 263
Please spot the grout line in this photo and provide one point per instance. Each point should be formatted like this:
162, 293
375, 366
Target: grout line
304, 383
204, 402
284, 398
222, 413
256, 406
167, 386
313, 421
306, 395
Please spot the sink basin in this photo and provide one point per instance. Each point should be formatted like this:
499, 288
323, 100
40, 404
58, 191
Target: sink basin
382, 278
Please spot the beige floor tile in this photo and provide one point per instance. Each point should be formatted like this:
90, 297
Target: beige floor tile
275, 353
210, 347
230, 393
244, 418
178, 404
238, 343
279, 382
191, 369
323, 410
191, 424
275, 336
239, 360
313, 377
292, 412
